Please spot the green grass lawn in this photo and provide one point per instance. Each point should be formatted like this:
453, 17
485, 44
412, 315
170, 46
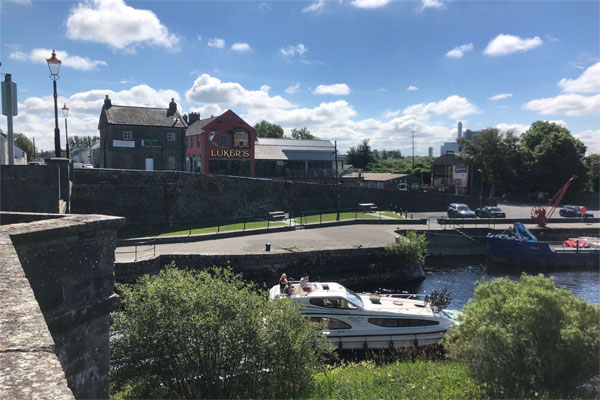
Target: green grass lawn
400, 380
223, 228
391, 214
315, 219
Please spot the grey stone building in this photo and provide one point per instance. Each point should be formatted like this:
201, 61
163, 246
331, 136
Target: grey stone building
142, 137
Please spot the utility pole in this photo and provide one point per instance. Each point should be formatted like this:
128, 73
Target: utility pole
413, 148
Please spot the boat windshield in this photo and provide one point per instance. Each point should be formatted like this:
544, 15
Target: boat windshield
354, 298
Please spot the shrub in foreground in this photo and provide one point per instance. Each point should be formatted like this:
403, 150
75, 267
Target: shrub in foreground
400, 380
411, 248
527, 339
208, 334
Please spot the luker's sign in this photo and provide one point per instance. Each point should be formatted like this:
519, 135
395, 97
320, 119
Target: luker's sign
230, 153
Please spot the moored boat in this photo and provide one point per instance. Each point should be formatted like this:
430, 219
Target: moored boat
519, 247
369, 321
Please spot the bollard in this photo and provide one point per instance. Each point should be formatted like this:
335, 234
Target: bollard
267, 246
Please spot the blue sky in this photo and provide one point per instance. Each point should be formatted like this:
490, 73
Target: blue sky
347, 70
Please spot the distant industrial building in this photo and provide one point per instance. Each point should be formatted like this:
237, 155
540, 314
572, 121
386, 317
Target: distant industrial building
454, 147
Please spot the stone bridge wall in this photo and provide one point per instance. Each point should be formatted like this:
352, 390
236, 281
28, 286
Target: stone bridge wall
169, 197
67, 264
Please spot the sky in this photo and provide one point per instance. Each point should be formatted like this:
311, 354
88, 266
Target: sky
347, 70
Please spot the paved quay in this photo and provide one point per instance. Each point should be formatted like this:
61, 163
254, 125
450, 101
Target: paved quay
323, 238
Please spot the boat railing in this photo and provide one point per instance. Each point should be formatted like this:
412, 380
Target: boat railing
404, 296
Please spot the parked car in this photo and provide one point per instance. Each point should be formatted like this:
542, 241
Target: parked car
490, 212
574, 211
458, 210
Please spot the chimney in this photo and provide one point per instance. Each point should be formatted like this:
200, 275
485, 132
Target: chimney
107, 103
460, 130
193, 117
172, 107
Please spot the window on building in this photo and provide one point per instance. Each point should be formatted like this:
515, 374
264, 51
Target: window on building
198, 140
240, 139
229, 167
127, 135
191, 142
171, 137
223, 141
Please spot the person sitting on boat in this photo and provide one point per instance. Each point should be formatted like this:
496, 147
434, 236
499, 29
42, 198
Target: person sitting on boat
305, 283
290, 289
282, 282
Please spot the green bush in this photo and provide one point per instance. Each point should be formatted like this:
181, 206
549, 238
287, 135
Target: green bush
527, 339
411, 248
209, 334
401, 380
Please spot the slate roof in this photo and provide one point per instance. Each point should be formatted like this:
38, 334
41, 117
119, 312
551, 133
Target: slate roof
375, 176
197, 126
293, 149
143, 116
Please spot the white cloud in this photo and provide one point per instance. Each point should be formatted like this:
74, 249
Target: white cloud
518, 128
216, 42
382, 90
506, 44
500, 96
337, 89
241, 47
208, 110
317, 6
588, 81
567, 104
20, 2
432, 4
264, 7
118, 25
459, 52
453, 106
412, 88
210, 90
369, 4
291, 50
591, 138
293, 89
39, 56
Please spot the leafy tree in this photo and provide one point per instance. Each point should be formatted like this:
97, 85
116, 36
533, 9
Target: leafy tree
208, 334
411, 248
268, 130
592, 164
527, 339
534, 136
80, 141
303, 134
23, 142
361, 156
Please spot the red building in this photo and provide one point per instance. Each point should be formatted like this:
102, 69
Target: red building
220, 145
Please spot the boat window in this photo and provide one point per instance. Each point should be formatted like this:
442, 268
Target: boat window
354, 298
330, 323
332, 302
401, 322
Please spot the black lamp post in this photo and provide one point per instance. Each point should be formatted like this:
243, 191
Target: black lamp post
65, 111
54, 67
480, 188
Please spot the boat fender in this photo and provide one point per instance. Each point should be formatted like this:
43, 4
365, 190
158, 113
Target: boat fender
398, 303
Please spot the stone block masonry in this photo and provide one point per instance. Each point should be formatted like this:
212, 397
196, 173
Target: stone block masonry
363, 266
67, 264
167, 197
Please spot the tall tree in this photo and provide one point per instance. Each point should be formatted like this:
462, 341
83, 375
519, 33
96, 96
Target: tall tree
541, 129
592, 163
303, 134
268, 130
361, 156
23, 142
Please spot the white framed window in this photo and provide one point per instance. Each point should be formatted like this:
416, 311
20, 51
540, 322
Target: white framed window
127, 135
171, 137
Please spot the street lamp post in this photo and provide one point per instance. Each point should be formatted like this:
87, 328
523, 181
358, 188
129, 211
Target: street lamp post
65, 111
337, 185
54, 67
480, 188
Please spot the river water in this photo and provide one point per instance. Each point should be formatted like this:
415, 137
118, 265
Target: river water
461, 282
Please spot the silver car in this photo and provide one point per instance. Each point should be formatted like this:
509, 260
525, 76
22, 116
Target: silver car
459, 210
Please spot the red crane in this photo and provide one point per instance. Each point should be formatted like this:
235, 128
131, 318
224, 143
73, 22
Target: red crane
539, 215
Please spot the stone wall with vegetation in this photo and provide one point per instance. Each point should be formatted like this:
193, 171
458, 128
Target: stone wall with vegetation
169, 197
67, 264
347, 266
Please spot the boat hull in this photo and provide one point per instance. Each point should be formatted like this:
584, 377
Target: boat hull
539, 254
384, 341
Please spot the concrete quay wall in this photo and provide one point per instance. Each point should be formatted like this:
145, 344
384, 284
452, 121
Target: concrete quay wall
164, 197
346, 266
57, 289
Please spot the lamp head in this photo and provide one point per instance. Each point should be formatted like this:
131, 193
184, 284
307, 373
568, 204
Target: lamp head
54, 65
65, 111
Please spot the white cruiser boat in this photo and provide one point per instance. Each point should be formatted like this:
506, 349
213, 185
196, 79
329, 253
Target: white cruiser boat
370, 321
